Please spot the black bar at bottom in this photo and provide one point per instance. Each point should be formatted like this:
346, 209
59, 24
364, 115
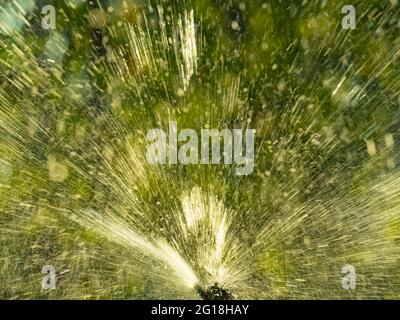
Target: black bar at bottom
178, 309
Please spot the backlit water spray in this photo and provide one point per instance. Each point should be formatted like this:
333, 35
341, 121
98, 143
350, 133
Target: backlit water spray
77, 192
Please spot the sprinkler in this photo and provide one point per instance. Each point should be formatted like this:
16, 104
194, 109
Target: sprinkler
213, 292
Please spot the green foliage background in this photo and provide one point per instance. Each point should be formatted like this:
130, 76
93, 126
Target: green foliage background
317, 95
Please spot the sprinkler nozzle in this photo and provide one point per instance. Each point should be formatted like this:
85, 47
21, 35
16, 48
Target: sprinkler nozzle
213, 292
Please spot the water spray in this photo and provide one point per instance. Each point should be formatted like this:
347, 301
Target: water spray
84, 100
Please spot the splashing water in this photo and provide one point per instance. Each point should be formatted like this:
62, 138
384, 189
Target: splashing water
76, 191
